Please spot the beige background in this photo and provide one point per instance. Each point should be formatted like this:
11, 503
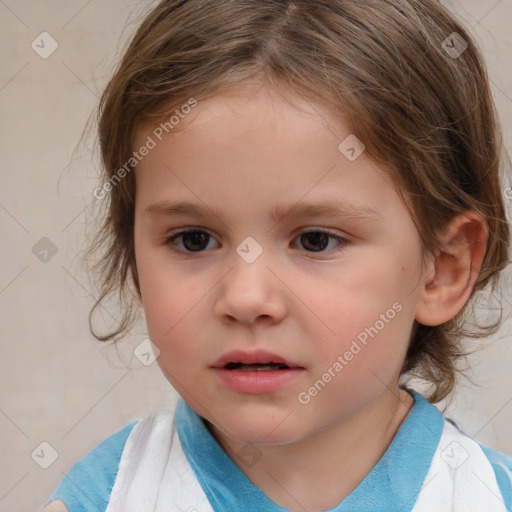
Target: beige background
57, 384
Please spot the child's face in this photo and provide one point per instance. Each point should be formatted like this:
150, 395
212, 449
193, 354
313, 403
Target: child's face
309, 300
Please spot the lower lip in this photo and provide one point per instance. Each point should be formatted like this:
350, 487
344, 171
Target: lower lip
257, 382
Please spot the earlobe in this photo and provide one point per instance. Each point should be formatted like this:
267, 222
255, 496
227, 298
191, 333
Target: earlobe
450, 282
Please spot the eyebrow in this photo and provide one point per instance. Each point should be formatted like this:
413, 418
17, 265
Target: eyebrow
276, 214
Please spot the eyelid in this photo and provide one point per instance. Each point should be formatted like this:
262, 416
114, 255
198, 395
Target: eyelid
188, 229
316, 229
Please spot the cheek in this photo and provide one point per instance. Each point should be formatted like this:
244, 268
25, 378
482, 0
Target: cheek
171, 326
364, 312
165, 297
168, 310
176, 311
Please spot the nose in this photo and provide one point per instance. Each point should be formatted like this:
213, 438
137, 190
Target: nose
251, 293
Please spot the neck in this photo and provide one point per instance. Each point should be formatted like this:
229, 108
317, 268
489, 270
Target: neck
290, 474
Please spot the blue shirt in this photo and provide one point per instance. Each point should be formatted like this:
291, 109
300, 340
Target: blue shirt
393, 484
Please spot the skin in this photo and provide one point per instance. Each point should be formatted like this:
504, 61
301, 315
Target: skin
241, 152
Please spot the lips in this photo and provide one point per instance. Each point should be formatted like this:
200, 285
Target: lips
258, 360
257, 372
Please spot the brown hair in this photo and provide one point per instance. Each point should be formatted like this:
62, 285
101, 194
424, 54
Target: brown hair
420, 108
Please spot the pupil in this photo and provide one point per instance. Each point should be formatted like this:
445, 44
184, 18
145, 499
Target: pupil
197, 238
315, 238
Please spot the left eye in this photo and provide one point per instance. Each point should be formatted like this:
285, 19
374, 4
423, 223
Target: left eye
197, 240
317, 241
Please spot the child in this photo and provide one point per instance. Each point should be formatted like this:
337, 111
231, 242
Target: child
306, 199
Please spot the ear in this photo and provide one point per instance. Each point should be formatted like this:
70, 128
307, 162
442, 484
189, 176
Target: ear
456, 268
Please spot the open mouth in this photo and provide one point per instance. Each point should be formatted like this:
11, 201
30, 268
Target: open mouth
256, 372
258, 367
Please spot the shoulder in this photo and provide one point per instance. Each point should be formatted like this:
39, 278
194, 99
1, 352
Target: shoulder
502, 465
87, 485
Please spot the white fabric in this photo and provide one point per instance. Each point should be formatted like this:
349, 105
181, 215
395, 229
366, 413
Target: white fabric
152, 456
460, 479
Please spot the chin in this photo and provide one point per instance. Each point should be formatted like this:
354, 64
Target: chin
259, 429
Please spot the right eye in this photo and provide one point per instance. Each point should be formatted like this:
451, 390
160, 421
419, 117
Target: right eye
193, 240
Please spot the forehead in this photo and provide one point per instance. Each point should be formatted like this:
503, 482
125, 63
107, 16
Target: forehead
251, 101
252, 145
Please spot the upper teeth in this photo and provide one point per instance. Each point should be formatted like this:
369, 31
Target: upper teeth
257, 367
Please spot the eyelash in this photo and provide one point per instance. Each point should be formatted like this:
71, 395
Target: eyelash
169, 240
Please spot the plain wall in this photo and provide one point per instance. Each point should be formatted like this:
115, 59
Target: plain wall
57, 384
